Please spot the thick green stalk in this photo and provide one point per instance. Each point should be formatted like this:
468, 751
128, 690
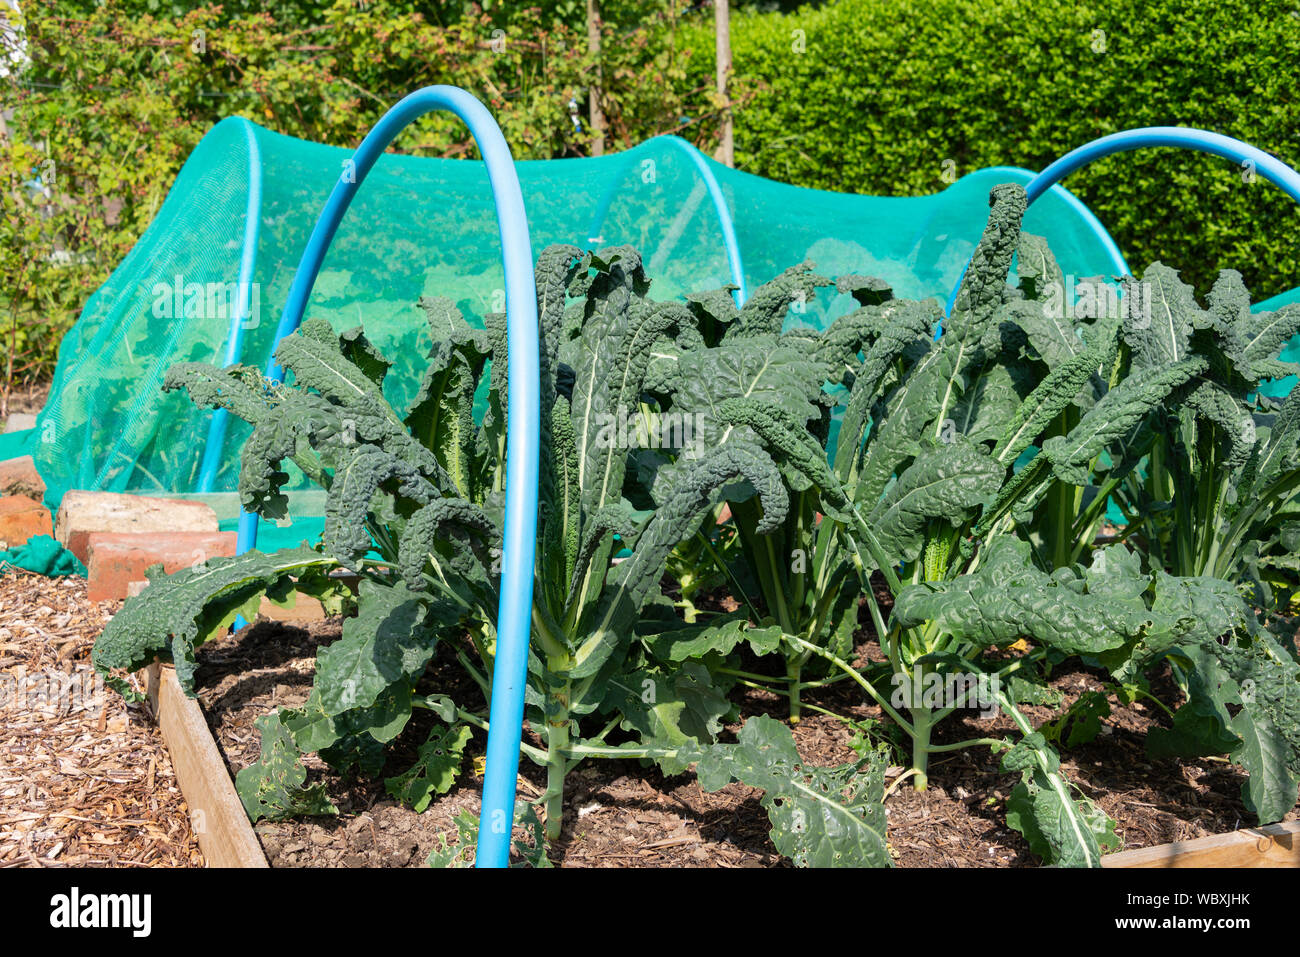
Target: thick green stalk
793, 670
921, 726
557, 744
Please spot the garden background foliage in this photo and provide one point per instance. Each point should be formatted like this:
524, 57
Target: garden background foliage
871, 96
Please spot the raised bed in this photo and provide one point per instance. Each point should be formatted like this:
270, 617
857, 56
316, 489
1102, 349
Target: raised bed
227, 839
217, 816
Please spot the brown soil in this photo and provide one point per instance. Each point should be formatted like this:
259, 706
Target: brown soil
618, 813
85, 780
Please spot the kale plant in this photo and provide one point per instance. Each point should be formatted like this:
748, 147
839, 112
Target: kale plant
961, 476
414, 507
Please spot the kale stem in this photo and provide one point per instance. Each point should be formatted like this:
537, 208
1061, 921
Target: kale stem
793, 669
959, 745
608, 751
557, 743
866, 685
749, 674
536, 755
922, 725
479, 679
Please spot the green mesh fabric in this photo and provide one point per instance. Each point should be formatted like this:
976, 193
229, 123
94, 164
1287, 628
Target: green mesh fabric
427, 227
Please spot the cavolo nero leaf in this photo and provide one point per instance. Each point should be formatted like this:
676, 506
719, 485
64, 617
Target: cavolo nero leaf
947, 481
441, 414
177, 613
363, 471
757, 368
436, 768
821, 817
274, 787
528, 844
1160, 336
683, 491
1038, 270
1054, 394
765, 311
1267, 684
1062, 829
668, 707
391, 639
720, 635
1118, 411
1007, 598
317, 360
983, 288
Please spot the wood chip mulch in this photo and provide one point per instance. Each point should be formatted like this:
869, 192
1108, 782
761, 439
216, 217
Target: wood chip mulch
85, 780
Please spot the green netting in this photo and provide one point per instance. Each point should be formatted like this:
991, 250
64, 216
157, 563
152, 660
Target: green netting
427, 227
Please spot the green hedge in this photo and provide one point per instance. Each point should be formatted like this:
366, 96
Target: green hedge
886, 91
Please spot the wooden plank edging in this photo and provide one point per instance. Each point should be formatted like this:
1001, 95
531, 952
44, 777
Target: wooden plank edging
216, 815
1273, 845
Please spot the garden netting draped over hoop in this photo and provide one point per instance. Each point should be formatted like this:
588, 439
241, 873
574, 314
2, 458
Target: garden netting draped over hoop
426, 227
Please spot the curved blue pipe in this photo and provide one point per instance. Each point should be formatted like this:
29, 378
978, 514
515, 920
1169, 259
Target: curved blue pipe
239, 316
1270, 167
523, 436
710, 181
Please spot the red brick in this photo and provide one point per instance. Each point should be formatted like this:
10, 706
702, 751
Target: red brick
81, 514
118, 559
22, 518
19, 477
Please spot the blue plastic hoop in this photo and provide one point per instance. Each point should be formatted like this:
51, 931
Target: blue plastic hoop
1204, 141
725, 222
523, 435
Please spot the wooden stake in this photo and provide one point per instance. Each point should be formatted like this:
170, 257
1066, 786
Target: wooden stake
597, 114
726, 152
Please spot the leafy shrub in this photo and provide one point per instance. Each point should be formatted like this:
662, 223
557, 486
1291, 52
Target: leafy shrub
889, 98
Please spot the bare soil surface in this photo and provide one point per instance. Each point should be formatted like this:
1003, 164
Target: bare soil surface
618, 813
85, 780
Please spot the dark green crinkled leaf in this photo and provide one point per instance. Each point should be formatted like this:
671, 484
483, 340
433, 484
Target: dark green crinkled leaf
821, 817
435, 770
179, 612
1118, 411
1007, 598
273, 787
391, 639
944, 482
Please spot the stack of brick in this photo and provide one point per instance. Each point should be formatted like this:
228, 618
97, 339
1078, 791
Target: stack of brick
118, 537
